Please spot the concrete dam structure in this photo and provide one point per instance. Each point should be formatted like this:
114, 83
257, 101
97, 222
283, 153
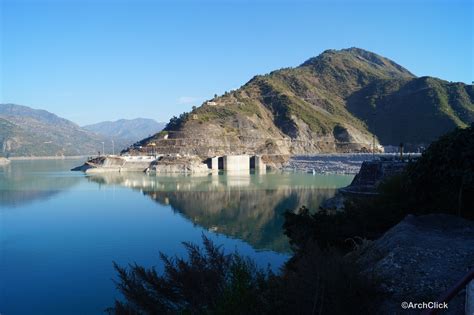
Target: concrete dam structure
172, 164
113, 163
237, 163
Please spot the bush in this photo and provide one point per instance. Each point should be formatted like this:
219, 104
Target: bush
442, 180
362, 219
207, 282
326, 282
320, 278
176, 122
211, 282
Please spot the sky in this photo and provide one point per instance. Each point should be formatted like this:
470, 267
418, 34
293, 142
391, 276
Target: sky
91, 61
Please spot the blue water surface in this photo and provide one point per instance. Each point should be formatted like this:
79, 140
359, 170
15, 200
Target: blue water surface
60, 231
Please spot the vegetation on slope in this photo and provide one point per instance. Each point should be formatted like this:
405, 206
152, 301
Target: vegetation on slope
415, 111
30, 132
353, 90
441, 181
320, 277
209, 281
17, 141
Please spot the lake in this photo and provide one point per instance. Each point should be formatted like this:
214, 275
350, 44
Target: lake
60, 231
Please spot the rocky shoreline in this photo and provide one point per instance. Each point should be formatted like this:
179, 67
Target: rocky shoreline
342, 163
318, 164
149, 164
176, 163
4, 161
419, 259
365, 183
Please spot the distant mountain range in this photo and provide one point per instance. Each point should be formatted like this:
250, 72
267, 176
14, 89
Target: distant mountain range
33, 132
130, 130
335, 102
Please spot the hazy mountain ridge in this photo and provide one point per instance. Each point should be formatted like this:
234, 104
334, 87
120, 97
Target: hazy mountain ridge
31, 132
130, 130
334, 102
20, 113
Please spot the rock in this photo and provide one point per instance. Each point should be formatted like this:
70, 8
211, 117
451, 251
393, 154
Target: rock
419, 259
372, 173
82, 168
274, 162
4, 161
179, 164
366, 182
116, 164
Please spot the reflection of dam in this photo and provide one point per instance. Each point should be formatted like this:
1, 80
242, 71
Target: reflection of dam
245, 206
208, 182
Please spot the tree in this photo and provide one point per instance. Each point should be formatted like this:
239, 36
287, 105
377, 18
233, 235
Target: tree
442, 180
176, 122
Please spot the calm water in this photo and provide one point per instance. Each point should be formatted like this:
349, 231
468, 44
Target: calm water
61, 230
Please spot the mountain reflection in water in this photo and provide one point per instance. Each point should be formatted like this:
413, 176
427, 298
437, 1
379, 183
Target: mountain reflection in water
23, 182
247, 206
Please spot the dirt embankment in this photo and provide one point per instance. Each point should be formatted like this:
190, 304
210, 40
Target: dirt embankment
419, 259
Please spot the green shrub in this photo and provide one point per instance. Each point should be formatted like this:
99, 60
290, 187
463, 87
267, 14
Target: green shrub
326, 282
442, 180
208, 281
314, 281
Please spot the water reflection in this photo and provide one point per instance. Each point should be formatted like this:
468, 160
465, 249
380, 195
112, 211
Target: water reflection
88, 222
23, 182
245, 206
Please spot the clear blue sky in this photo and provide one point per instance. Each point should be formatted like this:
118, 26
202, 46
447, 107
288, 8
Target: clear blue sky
90, 61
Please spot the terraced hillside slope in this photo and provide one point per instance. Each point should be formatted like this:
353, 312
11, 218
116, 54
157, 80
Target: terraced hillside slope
339, 101
32, 132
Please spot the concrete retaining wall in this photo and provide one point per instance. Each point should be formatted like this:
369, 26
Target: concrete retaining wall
259, 164
237, 163
215, 163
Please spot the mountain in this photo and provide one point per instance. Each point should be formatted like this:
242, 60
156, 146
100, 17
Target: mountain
130, 130
339, 101
32, 132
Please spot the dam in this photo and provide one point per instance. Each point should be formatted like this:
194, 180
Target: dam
172, 163
237, 162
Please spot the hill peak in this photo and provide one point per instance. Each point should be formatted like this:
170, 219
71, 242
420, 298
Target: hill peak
327, 104
357, 58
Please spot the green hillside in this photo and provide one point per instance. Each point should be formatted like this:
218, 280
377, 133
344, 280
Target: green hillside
415, 111
30, 132
333, 102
